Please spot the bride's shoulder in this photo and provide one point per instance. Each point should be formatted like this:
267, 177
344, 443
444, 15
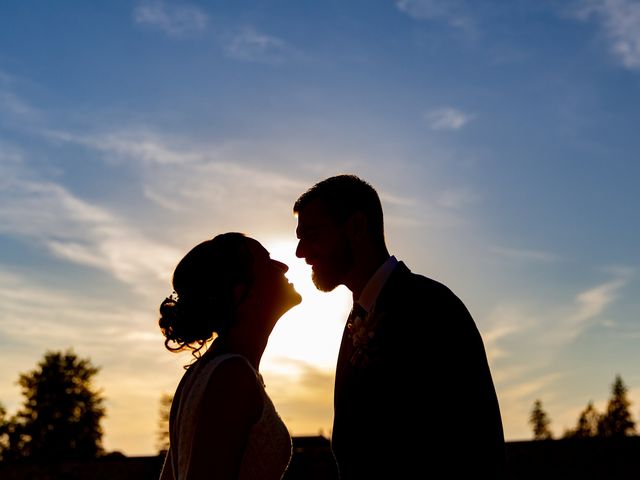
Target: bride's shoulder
233, 385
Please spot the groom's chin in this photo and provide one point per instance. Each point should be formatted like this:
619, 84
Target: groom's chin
323, 284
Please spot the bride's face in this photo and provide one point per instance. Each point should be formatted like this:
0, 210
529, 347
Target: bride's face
270, 286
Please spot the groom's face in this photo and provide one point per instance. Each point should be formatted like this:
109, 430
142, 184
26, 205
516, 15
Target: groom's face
324, 245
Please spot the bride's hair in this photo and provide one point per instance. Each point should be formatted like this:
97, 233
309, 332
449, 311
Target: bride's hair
203, 303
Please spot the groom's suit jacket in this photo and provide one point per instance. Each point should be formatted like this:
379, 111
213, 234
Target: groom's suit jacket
417, 398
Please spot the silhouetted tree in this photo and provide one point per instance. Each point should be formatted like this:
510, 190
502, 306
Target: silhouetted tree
4, 436
163, 423
587, 423
617, 421
12, 438
60, 418
539, 422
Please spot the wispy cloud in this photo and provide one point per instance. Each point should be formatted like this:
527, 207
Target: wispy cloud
12, 106
15, 105
454, 12
592, 302
554, 326
174, 20
145, 147
184, 178
542, 333
505, 321
249, 45
620, 20
525, 254
457, 198
30, 308
447, 118
78, 231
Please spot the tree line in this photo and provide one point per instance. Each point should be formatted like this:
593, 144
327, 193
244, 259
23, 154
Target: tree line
615, 422
62, 410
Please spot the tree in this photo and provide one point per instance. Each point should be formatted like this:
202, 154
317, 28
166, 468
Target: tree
163, 423
616, 421
4, 432
60, 418
11, 437
540, 422
587, 423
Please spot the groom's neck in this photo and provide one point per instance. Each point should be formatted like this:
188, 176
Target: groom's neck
364, 267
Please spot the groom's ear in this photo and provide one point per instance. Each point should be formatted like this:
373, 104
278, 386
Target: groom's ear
357, 226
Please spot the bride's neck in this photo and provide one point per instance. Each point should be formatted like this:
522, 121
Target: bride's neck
249, 346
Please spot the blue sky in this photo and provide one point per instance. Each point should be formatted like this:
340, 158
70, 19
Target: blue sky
502, 137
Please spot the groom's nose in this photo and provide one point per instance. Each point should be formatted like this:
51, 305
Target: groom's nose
299, 250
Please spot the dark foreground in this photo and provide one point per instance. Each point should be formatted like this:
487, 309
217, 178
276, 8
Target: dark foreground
583, 459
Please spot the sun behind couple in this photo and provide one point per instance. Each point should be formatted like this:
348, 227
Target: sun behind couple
408, 339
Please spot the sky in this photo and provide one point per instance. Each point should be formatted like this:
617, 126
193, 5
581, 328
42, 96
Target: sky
501, 136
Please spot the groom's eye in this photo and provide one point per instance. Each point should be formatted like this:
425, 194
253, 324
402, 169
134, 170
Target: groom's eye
311, 235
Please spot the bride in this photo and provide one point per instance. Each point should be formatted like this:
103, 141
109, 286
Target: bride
223, 424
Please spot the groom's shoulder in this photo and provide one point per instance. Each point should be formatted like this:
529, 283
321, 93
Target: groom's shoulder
430, 297
421, 289
419, 282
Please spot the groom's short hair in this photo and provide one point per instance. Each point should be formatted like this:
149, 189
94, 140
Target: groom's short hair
344, 195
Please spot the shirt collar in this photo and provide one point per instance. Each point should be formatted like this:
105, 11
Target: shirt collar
373, 287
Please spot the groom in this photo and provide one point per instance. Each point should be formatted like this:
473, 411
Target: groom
414, 396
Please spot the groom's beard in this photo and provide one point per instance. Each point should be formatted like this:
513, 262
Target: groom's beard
328, 274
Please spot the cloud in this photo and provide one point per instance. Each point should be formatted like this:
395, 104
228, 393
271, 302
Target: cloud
147, 148
447, 118
183, 176
457, 198
525, 255
454, 12
78, 231
620, 20
30, 307
542, 331
502, 324
249, 45
541, 334
15, 105
246, 186
174, 20
13, 108
592, 302
554, 327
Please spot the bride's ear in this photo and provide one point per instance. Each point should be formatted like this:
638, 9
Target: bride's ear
240, 294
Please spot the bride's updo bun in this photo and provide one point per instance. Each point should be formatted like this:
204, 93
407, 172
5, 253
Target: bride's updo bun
203, 303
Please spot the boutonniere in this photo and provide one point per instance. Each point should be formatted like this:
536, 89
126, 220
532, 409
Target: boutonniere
362, 335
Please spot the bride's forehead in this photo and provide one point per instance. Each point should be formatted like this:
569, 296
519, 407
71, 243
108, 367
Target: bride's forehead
256, 248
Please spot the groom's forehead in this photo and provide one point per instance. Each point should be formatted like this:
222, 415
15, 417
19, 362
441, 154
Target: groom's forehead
313, 217
315, 212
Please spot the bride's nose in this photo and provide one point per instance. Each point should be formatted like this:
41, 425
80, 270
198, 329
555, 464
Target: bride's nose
281, 266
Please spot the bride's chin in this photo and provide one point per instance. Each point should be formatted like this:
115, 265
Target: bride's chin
293, 300
298, 299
